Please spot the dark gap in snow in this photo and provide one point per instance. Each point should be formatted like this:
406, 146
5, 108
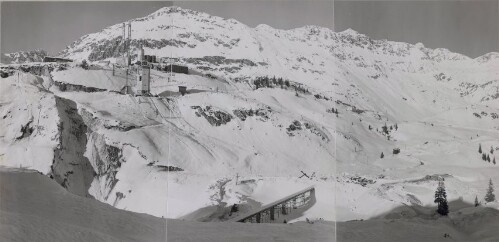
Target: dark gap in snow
26, 130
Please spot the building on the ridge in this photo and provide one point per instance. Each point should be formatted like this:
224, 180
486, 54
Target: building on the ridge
182, 90
55, 59
167, 65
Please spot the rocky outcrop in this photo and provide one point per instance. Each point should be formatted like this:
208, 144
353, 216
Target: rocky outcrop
243, 114
67, 87
214, 117
296, 125
70, 168
107, 160
26, 130
38, 69
23, 57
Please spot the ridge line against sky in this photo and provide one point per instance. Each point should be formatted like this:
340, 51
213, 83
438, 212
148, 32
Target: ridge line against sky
469, 28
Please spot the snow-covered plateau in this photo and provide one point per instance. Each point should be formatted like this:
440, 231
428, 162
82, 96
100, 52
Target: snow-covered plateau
264, 107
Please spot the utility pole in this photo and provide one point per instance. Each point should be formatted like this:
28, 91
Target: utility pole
129, 41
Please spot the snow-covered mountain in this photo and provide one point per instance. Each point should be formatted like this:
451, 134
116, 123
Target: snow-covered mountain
311, 55
343, 99
23, 57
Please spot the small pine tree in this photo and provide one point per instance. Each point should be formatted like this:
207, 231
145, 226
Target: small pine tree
488, 158
396, 127
484, 157
476, 201
84, 64
491, 150
385, 129
382, 155
494, 161
490, 197
480, 148
441, 199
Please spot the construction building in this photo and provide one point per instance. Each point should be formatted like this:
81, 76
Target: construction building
143, 83
176, 69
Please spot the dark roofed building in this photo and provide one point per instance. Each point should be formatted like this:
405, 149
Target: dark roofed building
55, 59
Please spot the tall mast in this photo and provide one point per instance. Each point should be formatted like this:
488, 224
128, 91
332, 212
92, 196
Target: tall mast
124, 40
129, 41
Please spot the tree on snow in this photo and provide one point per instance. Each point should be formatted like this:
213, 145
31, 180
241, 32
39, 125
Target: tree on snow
84, 64
382, 155
488, 158
484, 157
491, 150
441, 199
385, 129
480, 148
476, 201
494, 161
490, 197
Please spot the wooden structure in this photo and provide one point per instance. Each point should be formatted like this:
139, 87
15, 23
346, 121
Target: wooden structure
281, 209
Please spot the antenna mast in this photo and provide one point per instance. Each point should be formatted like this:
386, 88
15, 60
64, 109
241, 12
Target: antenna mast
129, 42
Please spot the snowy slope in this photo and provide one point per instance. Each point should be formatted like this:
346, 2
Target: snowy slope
35, 208
171, 155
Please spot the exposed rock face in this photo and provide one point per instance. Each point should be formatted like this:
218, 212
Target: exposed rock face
107, 161
71, 169
313, 129
38, 69
26, 130
23, 57
245, 113
295, 126
214, 117
74, 87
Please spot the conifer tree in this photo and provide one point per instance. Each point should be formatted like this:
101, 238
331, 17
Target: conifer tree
488, 158
441, 199
382, 155
385, 129
490, 197
494, 161
491, 150
480, 148
484, 157
476, 201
